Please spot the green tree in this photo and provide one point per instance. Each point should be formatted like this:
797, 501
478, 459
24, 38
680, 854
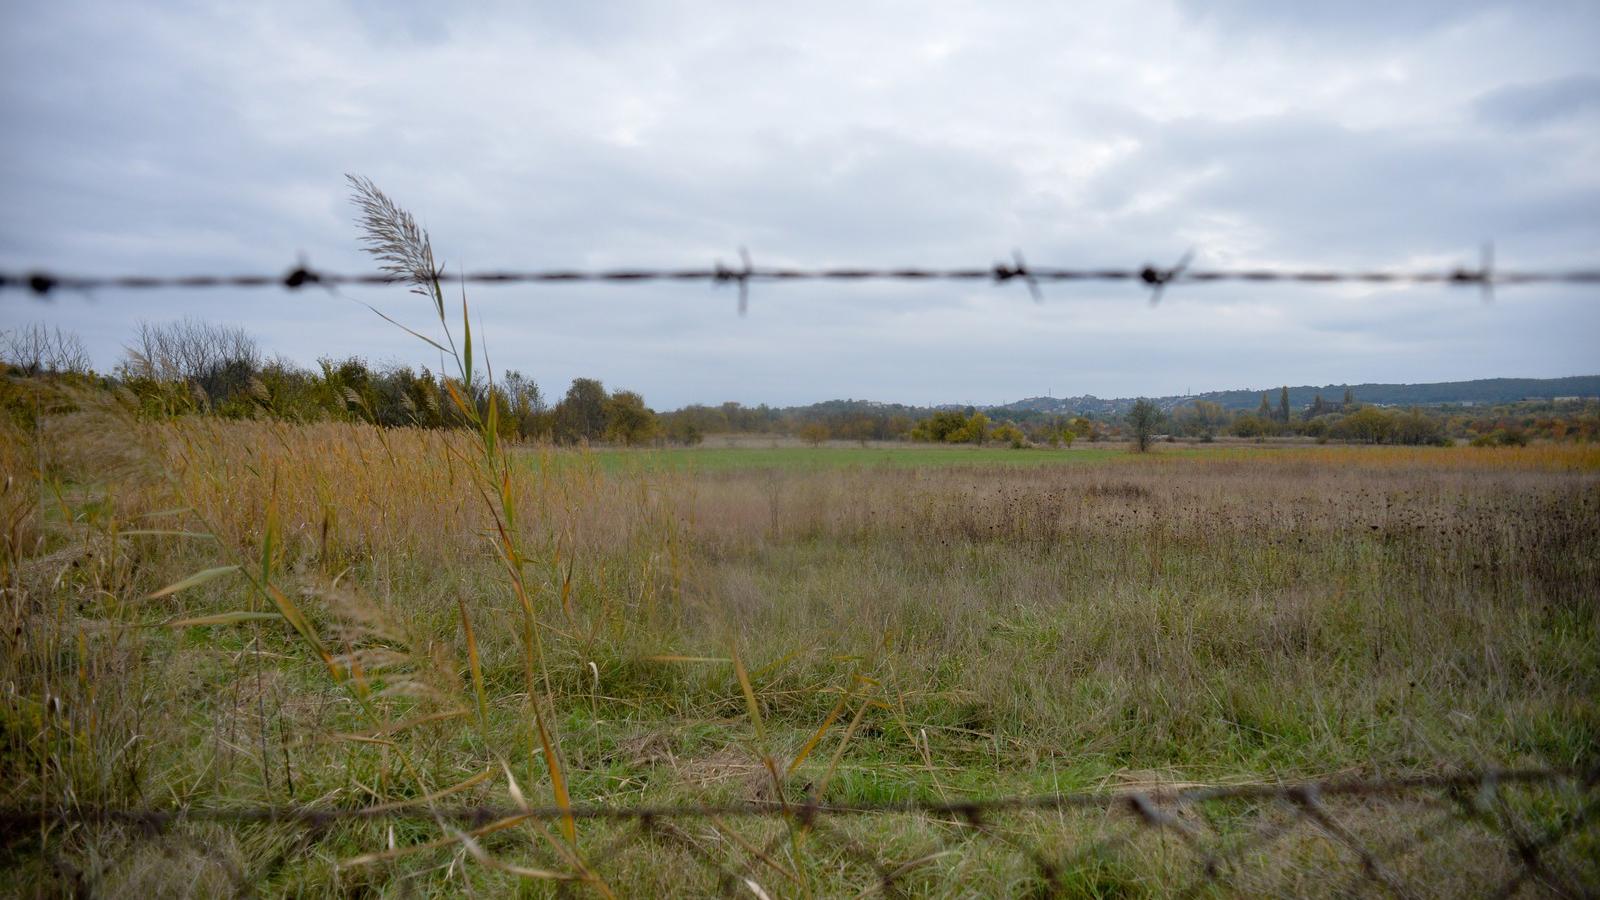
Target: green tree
1058, 432
1283, 405
939, 426
1208, 418
1142, 421
1368, 424
814, 433
525, 405
684, 430
1249, 427
1502, 437
581, 415
628, 420
1416, 427
975, 431
1011, 434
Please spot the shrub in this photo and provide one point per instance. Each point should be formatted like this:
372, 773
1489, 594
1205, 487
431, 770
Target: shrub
1011, 434
1502, 437
1416, 427
813, 433
1369, 425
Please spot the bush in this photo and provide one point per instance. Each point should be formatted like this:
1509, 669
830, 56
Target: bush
976, 431
1502, 437
1248, 427
939, 427
683, 430
1011, 434
1416, 427
1368, 424
814, 433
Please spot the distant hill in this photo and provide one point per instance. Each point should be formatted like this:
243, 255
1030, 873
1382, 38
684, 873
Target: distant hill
1481, 392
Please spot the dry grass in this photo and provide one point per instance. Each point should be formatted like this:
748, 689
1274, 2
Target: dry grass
1548, 457
906, 633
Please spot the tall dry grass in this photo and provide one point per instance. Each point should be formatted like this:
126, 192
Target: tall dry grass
874, 633
209, 613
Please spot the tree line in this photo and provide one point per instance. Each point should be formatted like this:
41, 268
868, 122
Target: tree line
1350, 420
191, 367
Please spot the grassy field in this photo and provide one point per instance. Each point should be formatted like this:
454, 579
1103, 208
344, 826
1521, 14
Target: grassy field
225, 614
791, 457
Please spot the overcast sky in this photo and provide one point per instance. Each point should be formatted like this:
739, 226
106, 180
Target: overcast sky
171, 138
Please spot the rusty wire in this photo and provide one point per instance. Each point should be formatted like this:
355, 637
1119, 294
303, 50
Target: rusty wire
323, 815
1467, 799
43, 283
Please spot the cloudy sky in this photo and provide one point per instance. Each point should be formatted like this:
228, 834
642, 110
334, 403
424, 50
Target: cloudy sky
172, 138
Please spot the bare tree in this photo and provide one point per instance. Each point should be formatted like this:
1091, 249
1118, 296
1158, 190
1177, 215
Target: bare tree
188, 350
38, 349
219, 359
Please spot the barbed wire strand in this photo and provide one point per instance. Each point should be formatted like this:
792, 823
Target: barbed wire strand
43, 283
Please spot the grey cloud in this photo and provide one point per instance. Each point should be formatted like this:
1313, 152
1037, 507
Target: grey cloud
398, 23
193, 137
1317, 187
1522, 105
1368, 19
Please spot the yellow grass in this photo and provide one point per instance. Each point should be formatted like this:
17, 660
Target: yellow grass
1532, 458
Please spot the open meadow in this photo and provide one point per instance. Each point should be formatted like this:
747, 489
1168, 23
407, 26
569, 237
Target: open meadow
951, 450
214, 615
796, 456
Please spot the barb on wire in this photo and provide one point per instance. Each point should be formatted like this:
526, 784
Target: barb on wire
44, 283
741, 277
1158, 279
1486, 271
1018, 269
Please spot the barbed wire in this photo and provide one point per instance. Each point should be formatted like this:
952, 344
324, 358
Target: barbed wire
1477, 799
1156, 278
